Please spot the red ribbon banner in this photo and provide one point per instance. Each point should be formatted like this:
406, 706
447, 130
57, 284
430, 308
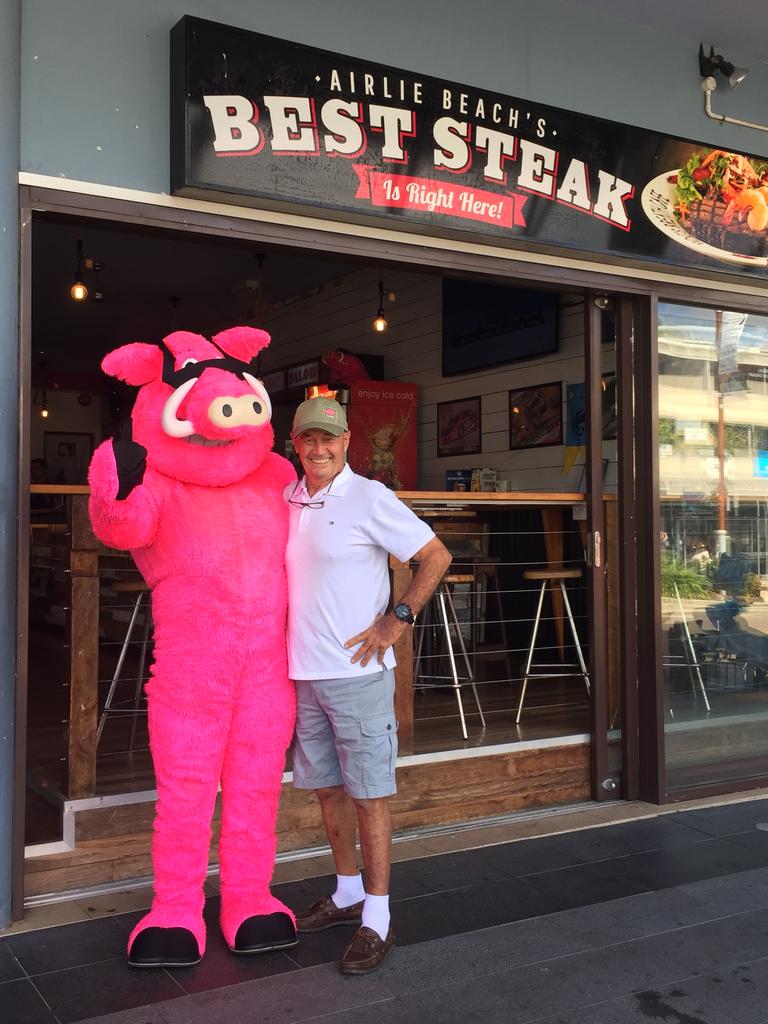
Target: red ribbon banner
440, 197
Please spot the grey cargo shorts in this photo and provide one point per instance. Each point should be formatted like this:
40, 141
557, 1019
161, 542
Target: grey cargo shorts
346, 734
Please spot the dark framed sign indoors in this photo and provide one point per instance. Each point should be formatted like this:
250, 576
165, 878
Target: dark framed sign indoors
459, 427
272, 122
536, 416
488, 324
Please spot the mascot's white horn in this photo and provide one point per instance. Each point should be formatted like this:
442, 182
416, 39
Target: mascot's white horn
260, 390
172, 426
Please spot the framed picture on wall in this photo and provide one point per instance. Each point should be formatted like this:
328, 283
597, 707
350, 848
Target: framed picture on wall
459, 429
536, 416
576, 414
67, 456
610, 408
576, 410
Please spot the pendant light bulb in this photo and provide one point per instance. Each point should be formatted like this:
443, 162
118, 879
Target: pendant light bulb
380, 324
78, 291
44, 413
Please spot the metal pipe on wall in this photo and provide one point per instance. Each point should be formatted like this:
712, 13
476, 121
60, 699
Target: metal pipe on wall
10, 49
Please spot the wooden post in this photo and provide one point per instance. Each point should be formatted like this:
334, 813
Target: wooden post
83, 633
401, 580
612, 564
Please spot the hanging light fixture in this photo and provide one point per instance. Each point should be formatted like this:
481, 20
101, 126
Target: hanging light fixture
40, 396
79, 291
380, 324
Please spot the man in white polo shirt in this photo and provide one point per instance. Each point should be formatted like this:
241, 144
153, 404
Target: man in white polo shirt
343, 528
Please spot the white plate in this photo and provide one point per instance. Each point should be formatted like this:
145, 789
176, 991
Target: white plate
658, 201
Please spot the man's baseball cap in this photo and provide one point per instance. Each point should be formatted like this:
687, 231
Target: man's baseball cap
320, 414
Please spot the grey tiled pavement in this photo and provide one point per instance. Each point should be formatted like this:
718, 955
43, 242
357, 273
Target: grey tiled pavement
664, 919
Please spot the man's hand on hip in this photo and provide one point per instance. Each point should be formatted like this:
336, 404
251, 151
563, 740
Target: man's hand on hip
375, 640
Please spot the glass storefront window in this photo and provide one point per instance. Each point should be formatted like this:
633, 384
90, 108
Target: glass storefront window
713, 486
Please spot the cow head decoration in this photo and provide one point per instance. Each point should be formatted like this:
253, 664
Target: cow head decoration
201, 412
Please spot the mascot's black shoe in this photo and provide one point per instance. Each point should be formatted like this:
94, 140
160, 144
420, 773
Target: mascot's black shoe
264, 932
164, 947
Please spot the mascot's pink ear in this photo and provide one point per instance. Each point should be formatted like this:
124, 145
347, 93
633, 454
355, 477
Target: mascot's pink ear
242, 342
137, 363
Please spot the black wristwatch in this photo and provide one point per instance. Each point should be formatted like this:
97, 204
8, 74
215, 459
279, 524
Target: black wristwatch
404, 613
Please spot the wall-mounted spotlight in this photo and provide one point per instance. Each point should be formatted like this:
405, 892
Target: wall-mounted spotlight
380, 324
602, 302
713, 62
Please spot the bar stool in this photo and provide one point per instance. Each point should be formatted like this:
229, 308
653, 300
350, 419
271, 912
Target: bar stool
486, 574
440, 613
552, 576
141, 590
688, 659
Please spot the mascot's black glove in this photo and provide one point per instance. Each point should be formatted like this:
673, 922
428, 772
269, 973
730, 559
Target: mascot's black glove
130, 460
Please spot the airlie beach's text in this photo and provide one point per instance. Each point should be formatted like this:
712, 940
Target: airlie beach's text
298, 126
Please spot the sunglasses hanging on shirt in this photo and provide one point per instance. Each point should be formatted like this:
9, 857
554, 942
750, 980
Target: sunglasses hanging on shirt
310, 504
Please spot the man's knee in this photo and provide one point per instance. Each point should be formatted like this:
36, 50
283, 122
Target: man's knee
327, 793
371, 806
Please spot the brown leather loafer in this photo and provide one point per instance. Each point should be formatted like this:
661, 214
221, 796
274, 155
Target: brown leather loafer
325, 914
366, 951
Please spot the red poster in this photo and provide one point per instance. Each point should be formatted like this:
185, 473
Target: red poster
383, 419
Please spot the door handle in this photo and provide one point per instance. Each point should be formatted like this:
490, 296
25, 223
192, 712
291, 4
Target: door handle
597, 549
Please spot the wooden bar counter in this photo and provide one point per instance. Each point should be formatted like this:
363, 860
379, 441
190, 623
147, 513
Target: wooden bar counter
83, 613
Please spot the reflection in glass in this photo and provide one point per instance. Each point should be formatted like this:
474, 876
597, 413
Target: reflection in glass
713, 483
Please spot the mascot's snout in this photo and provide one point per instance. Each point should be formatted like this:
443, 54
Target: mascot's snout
217, 401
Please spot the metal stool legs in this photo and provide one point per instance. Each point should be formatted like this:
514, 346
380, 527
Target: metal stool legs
446, 602
694, 670
118, 669
447, 618
528, 673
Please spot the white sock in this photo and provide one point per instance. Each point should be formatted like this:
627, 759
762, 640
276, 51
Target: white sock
376, 914
349, 890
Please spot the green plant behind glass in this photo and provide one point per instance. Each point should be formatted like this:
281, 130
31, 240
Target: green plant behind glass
690, 583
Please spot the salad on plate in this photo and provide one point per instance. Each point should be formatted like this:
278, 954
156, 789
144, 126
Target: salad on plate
722, 199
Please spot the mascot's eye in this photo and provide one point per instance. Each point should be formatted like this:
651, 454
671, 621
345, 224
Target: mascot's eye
227, 410
188, 362
256, 407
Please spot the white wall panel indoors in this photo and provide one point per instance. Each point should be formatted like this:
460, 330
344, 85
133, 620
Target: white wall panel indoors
340, 313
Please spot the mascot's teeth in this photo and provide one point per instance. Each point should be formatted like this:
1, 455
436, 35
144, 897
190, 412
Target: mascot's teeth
206, 442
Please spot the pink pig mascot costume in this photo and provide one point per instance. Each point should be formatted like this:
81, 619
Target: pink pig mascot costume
195, 494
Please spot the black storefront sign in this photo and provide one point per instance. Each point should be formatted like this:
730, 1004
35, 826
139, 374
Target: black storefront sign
272, 122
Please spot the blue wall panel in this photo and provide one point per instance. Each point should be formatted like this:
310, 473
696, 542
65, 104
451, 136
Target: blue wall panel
95, 72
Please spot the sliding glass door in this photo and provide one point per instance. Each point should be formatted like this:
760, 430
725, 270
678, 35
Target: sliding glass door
713, 543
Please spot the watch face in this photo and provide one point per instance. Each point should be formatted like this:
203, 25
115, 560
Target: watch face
403, 612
